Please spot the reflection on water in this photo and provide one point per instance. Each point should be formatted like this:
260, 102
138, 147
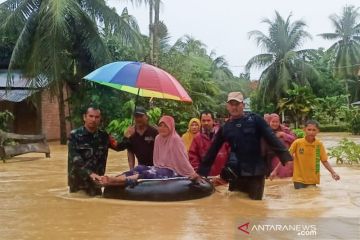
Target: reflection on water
35, 204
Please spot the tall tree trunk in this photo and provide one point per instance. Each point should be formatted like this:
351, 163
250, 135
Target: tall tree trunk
156, 43
347, 91
69, 106
151, 31
62, 119
296, 117
357, 88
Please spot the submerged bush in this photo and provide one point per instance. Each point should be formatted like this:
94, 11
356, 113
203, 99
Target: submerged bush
5, 118
334, 128
299, 132
347, 152
355, 122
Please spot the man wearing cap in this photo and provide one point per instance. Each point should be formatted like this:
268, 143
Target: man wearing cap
139, 140
246, 166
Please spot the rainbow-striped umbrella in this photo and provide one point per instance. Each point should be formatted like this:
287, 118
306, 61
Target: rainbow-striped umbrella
141, 79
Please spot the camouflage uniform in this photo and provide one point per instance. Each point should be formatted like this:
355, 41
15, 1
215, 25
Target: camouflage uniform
87, 154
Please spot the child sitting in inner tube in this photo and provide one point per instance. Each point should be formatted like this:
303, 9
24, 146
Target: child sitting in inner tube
170, 159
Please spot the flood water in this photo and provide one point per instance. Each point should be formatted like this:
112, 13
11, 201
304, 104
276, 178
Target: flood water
35, 204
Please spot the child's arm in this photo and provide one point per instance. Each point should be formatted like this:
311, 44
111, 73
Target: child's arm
331, 170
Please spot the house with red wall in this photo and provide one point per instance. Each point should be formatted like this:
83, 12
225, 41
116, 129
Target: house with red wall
34, 110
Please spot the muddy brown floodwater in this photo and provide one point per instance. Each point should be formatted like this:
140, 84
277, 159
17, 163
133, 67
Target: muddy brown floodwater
35, 204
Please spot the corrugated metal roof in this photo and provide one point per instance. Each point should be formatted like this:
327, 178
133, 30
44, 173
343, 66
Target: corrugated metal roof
15, 95
18, 89
16, 79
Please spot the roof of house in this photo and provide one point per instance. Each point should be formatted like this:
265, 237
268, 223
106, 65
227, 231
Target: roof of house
18, 89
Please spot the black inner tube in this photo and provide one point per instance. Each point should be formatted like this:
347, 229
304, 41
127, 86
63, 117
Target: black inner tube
161, 190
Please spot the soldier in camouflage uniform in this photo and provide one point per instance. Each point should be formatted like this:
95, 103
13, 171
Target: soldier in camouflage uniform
88, 149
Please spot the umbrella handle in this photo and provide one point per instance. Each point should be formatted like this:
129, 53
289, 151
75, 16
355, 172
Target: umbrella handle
136, 100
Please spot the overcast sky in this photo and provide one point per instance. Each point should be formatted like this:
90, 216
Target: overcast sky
223, 25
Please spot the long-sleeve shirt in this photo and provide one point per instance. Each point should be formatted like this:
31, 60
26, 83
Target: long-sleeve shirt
87, 153
198, 149
244, 135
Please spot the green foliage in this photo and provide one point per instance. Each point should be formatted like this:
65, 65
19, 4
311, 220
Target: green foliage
112, 103
154, 115
326, 84
297, 104
330, 110
206, 78
188, 62
334, 128
55, 37
8, 38
299, 132
354, 120
257, 105
283, 62
64, 41
181, 112
117, 127
61, 41
124, 39
119, 51
346, 49
5, 118
347, 152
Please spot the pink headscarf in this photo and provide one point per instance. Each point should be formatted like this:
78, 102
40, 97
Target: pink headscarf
290, 136
170, 151
275, 116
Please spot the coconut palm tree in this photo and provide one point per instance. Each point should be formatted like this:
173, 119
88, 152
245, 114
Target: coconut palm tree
283, 62
188, 45
220, 68
59, 40
346, 49
125, 33
154, 28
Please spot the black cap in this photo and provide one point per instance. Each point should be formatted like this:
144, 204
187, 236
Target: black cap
139, 111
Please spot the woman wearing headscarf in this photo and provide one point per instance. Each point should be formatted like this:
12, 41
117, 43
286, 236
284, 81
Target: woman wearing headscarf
287, 137
170, 159
193, 128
